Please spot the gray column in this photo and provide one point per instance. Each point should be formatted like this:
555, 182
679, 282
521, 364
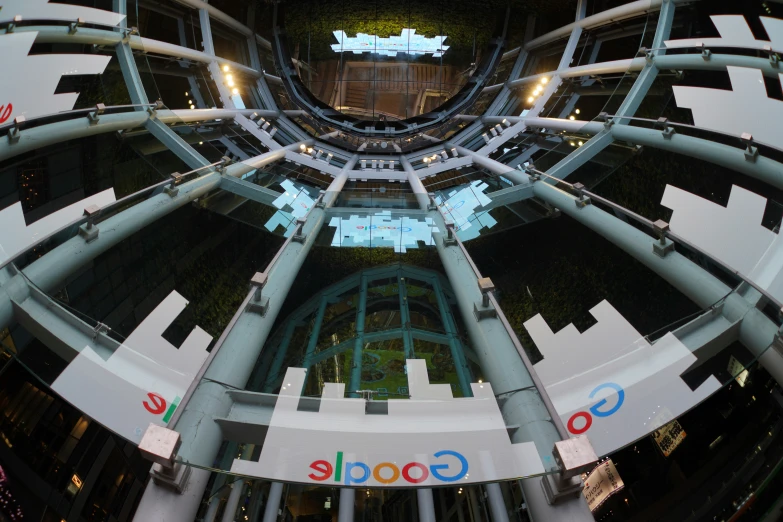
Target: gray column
502, 364
273, 502
229, 514
496, 503
347, 501
426, 505
232, 365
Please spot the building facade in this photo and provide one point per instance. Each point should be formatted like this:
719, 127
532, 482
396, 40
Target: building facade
391, 261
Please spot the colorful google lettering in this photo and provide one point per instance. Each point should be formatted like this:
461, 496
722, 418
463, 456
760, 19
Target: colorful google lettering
157, 405
595, 409
387, 472
376, 227
5, 112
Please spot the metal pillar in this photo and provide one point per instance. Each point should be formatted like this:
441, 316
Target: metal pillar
229, 514
347, 501
457, 352
312, 342
358, 344
277, 362
503, 367
273, 502
497, 505
339, 181
405, 316
232, 365
426, 505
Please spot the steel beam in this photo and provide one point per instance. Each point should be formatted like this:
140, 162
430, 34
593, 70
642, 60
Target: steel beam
358, 344
249, 190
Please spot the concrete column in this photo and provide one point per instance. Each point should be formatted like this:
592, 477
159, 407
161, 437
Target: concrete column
358, 345
273, 502
497, 505
229, 514
426, 505
502, 365
232, 367
347, 502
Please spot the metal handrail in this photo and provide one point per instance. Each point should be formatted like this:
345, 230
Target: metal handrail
669, 234
550, 407
74, 112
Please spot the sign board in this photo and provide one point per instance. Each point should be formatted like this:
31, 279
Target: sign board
601, 483
738, 371
142, 381
668, 437
610, 383
432, 439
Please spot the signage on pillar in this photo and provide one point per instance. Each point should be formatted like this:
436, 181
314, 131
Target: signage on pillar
142, 381
610, 383
601, 483
432, 439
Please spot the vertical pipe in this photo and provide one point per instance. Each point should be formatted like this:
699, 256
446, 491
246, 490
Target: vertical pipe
273, 502
426, 505
347, 502
456, 347
358, 346
312, 343
497, 505
229, 514
405, 316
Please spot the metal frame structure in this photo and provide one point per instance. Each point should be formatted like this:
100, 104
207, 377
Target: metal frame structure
496, 346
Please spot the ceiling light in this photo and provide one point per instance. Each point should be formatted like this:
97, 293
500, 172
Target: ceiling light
235, 91
530, 100
577, 111
192, 106
544, 80
572, 117
580, 144
302, 147
190, 102
225, 68
573, 144
187, 94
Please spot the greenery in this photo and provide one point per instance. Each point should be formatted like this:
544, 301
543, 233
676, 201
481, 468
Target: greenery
463, 21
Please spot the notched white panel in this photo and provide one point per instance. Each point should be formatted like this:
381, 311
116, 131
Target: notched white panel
28, 83
744, 109
733, 234
735, 32
610, 383
143, 381
414, 430
16, 236
45, 10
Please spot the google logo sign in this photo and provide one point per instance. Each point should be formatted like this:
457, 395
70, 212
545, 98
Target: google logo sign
595, 409
388, 472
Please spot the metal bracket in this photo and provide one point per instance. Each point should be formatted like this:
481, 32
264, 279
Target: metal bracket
432, 205
298, 236
774, 58
484, 309
582, 201
706, 54
449, 239
608, 122
532, 173
16, 131
158, 106
225, 161
74, 26
94, 117
320, 201
89, 231
751, 152
172, 189
664, 245
12, 25
258, 303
